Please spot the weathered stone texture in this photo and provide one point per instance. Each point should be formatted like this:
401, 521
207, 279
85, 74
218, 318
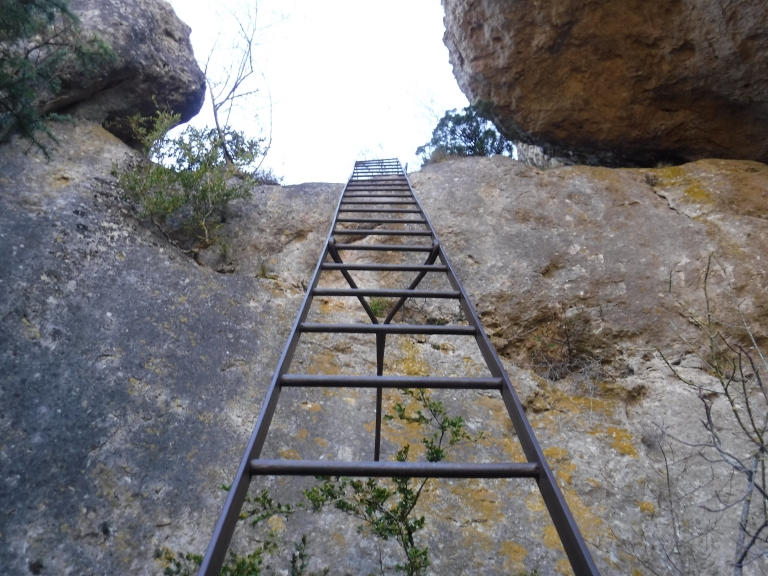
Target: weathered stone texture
131, 377
126, 369
156, 65
603, 241
618, 83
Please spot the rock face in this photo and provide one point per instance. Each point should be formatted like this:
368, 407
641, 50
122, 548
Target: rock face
131, 377
629, 83
156, 63
126, 398
602, 241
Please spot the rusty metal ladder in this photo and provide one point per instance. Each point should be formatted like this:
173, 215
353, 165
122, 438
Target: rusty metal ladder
382, 187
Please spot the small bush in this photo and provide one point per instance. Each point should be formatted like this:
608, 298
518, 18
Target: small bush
380, 306
190, 179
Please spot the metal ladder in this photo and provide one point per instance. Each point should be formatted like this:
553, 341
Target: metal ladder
382, 187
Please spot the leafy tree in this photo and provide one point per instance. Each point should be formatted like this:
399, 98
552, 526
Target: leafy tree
38, 40
465, 133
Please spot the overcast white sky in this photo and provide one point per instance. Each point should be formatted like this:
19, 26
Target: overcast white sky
349, 79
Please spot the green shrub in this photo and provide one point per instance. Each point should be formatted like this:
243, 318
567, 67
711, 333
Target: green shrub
380, 306
189, 178
386, 507
38, 40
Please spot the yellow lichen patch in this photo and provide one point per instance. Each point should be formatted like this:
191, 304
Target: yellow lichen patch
590, 524
107, 484
670, 174
555, 454
410, 362
338, 538
698, 193
496, 408
534, 502
563, 566
370, 426
301, 434
311, 406
551, 538
474, 539
607, 407
325, 362
289, 454
29, 330
646, 507
481, 504
136, 386
157, 365
276, 524
554, 402
322, 442
330, 305
561, 464
511, 449
621, 440
514, 554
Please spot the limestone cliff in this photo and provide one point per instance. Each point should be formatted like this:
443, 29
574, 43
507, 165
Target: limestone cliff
155, 66
131, 376
618, 83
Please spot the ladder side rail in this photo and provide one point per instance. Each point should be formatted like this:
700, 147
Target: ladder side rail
216, 552
570, 536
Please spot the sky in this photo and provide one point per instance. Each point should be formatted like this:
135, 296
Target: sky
342, 80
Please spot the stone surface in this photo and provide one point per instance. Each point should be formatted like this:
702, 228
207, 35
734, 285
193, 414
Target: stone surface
127, 372
599, 241
156, 64
629, 83
131, 377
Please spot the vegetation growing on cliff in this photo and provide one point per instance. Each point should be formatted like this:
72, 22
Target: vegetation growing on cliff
737, 366
39, 39
385, 507
465, 133
185, 182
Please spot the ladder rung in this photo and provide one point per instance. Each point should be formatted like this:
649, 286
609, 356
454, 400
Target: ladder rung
393, 469
373, 203
385, 247
389, 329
377, 196
386, 267
390, 185
383, 220
432, 382
383, 232
386, 293
383, 210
